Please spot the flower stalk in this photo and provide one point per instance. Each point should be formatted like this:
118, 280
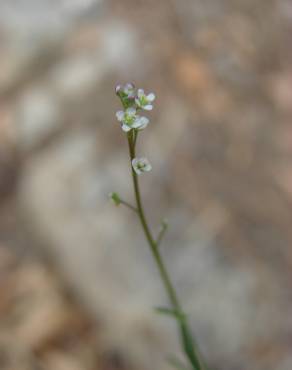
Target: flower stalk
137, 167
163, 228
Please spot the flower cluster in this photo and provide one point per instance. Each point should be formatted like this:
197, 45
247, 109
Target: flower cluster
134, 100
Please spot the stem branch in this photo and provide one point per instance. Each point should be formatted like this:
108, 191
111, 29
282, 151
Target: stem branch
128, 205
162, 231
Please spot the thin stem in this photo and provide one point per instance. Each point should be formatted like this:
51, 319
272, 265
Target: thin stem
160, 236
186, 337
135, 133
164, 275
129, 205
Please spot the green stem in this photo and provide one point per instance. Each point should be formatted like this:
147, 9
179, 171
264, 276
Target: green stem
186, 337
171, 292
128, 205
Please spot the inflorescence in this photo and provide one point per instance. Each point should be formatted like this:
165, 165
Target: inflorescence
134, 100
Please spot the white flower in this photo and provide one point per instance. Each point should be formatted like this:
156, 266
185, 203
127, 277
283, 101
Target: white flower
144, 101
140, 122
130, 119
141, 165
128, 90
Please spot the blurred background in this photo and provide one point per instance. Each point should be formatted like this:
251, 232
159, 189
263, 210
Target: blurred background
77, 282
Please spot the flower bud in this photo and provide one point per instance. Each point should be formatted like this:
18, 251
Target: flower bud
115, 198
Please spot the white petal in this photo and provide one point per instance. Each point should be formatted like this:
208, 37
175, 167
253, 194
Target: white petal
141, 123
151, 97
118, 88
143, 160
120, 115
125, 127
144, 125
144, 121
140, 93
129, 86
148, 167
131, 111
148, 107
137, 122
137, 170
135, 161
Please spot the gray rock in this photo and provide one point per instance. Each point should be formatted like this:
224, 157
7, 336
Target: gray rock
37, 115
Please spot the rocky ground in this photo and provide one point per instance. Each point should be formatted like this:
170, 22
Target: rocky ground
77, 281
